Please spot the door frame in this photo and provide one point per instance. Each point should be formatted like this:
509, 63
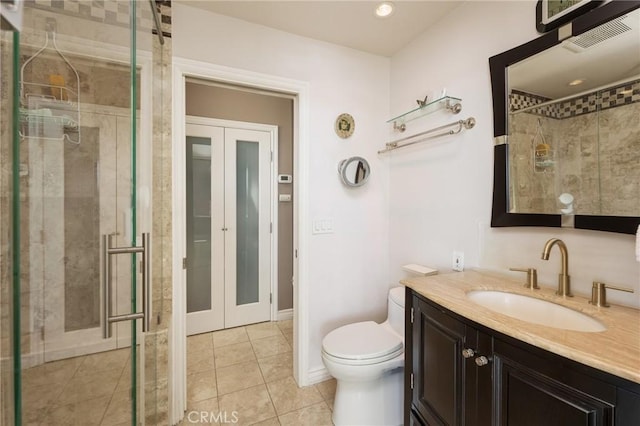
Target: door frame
180, 212
300, 90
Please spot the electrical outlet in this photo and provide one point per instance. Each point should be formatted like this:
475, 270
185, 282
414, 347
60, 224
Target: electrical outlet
458, 261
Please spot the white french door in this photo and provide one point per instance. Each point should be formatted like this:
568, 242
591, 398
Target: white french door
228, 226
247, 227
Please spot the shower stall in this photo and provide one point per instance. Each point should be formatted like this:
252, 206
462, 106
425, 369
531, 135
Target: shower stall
80, 304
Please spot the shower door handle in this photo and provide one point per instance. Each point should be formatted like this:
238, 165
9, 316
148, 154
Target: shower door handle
107, 251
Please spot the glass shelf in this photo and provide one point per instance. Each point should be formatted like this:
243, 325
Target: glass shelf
446, 102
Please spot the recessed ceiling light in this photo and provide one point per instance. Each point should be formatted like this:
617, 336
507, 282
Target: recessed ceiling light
576, 82
384, 9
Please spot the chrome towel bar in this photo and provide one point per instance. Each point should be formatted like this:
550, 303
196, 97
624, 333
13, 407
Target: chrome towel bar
461, 124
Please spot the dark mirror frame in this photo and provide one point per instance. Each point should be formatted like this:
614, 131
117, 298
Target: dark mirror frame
498, 65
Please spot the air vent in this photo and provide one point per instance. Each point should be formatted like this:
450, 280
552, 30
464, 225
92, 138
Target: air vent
597, 35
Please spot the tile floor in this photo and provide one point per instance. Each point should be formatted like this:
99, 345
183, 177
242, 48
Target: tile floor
247, 372
85, 390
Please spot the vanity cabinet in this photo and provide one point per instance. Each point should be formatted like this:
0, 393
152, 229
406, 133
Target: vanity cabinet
444, 387
458, 372
530, 390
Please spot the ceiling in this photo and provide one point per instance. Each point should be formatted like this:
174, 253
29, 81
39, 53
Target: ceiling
347, 23
600, 57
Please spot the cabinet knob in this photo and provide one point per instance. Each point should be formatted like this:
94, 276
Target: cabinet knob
481, 361
468, 353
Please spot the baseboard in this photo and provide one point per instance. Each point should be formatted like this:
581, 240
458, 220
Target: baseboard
31, 360
285, 314
318, 375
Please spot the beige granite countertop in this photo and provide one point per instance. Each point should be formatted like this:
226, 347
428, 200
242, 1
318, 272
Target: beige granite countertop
616, 350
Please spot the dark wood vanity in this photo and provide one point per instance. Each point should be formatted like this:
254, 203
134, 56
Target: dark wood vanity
459, 372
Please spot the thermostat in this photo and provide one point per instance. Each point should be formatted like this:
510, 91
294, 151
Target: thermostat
285, 179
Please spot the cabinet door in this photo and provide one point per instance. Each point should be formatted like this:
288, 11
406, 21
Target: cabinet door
627, 408
533, 391
414, 419
437, 365
479, 379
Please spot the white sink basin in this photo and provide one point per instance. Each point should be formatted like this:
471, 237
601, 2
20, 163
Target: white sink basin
536, 311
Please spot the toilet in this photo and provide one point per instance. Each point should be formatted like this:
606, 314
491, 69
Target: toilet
367, 361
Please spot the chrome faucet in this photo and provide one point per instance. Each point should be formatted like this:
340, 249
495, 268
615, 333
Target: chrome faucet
564, 283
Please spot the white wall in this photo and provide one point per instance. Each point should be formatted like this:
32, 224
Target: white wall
440, 194
348, 269
422, 202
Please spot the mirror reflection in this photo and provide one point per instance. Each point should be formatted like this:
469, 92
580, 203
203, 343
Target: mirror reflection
573, 124
354, 171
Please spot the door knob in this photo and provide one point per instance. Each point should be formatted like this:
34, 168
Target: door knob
481, 361
468, 353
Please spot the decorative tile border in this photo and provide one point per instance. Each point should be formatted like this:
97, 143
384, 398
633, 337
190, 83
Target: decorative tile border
164, 8
610, 98
519, 100
108, 12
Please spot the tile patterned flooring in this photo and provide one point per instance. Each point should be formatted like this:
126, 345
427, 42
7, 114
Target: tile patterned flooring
85, 390
248, 370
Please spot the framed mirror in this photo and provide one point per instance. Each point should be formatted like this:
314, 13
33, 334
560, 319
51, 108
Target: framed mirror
354, 171
566, 108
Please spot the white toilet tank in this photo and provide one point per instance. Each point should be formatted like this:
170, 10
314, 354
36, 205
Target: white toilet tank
395, 310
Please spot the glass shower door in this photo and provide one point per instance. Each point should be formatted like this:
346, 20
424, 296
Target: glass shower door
85, 114
9, 363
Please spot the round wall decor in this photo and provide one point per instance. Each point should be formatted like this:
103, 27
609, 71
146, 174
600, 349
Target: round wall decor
345, 125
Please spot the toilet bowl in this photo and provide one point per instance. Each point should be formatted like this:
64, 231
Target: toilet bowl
367, 361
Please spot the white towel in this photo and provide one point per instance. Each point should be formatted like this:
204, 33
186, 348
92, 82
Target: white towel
638, 244
419, 269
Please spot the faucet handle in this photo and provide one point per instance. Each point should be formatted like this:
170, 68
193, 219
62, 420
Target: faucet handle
532, 277
599, 293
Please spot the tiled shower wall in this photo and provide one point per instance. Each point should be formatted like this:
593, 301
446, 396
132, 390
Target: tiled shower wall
81, 238
595, 144
107, 12
157, 371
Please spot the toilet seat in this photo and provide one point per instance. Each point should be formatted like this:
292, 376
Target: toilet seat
361, 343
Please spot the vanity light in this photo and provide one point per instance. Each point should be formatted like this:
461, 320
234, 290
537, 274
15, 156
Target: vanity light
384, 9
576, 82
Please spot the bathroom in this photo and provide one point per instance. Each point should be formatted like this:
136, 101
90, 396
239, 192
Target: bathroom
417, 207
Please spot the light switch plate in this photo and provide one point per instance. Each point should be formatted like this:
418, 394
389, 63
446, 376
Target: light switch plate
322, 226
